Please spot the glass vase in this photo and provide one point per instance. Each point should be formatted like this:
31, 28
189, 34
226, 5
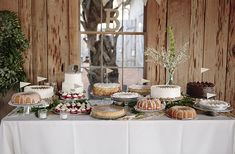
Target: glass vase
170, 80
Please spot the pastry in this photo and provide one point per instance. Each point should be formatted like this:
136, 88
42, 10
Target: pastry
24, 98
42, 90
165, 91
216, 105
140, 89
182, 112
105, 89
149, 104
108, 111
200, 89
72, 83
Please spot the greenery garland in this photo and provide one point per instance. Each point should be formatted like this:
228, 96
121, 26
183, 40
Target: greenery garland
12, 45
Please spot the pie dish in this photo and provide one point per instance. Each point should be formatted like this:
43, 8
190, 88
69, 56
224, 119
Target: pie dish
108, 112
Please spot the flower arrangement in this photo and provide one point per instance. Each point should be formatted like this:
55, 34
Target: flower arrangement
169, 58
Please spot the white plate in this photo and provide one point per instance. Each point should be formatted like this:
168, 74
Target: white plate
197, 106
25, 105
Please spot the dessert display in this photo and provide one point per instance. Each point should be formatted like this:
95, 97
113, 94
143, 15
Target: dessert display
106, 89
72, 83
149, 104
165, 91
140, 89
76, 107
200, 89
44, 91
70, 95
25, 98
215, 105
181, 112
108, 112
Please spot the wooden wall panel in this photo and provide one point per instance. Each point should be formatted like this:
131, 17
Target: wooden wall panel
155, 38
179, 18
230, 69
9, 5
196, 40
39, 37
74, 40
58, 41
24, 13
215, 53
52, 26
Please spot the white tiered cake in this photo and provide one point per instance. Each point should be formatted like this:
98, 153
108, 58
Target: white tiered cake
165, 91
72, 83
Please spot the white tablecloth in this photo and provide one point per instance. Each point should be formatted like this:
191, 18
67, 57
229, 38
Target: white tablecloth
85, 135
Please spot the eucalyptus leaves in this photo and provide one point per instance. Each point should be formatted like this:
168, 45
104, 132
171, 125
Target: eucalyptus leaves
12, 45
169, 58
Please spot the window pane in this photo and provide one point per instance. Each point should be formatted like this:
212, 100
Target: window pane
90, 15
91, 50
132, 75
133, 51
133, 16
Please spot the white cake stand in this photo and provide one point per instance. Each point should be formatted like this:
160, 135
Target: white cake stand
27, 107
211, 111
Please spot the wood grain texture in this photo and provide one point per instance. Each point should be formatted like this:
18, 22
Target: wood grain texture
179, 19
155, 38
39, 38
230, 69
52, 26
215, 48
196, 40
58, 41
24, 13
74, 39
9, 5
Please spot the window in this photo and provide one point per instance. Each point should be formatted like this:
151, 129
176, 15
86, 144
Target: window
112, 52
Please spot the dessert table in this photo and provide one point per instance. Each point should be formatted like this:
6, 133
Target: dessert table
26, 134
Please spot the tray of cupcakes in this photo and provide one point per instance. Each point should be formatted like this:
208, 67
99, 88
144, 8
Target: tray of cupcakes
76, 107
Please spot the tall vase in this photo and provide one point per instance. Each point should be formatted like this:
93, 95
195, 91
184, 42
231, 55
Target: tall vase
170, 80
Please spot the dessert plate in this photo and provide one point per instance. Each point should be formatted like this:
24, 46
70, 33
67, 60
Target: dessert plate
109, 112
25, 105
125, 96
197, 106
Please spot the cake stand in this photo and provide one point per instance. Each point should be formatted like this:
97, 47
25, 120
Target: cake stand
212, 112
27, 107
125, 100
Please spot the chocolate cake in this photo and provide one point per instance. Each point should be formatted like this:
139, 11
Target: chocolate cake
200, 89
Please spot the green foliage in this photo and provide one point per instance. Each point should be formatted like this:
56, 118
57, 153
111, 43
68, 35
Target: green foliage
186, 101
172, 42
12, 45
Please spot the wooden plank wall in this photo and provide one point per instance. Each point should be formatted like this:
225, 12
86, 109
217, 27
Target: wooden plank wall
52, 26
209, 27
